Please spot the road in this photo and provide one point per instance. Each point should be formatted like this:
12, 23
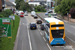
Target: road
69, 28
33, 39
29, 39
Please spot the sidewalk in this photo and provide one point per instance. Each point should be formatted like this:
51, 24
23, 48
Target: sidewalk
65, 18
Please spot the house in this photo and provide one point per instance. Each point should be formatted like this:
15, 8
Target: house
37, 2
9, 5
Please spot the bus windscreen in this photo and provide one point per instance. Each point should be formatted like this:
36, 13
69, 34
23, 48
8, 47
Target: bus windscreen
57, 33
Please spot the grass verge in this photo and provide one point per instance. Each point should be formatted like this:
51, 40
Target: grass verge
40, 12
8, 44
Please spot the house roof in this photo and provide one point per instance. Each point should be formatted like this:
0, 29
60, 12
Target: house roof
37, 1
8, 3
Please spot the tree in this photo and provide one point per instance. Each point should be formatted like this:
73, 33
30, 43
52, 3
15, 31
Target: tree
65, 6
6, 13
21, 5
57, 2
72, 12
40, 8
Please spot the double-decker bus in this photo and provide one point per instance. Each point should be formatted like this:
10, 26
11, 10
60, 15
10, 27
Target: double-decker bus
55, 31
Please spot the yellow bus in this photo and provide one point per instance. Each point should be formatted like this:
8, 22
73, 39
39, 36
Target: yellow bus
55, 31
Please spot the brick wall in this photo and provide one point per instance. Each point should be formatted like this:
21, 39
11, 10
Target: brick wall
0, 4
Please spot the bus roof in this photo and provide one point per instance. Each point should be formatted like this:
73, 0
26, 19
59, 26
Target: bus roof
52, 20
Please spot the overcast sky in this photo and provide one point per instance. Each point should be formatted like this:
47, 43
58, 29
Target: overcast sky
14, 0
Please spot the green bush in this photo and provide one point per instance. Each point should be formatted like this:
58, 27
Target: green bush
40, 8
6, 13
1, 15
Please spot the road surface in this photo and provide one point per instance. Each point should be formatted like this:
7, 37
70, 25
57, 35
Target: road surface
33, 39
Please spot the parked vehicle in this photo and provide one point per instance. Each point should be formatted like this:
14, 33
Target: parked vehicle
35, 16
33, 25
50, 11
22, 15
16, 12
33, 13
39, 21
46, 13
42, 26
54, 15
26, 13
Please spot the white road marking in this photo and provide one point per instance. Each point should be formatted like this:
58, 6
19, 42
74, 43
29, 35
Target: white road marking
44, 39
73, 27
70, 39
58, 46
70, 32
68, 47
38, 29
48, 46
22, 23
40, 33
29, 39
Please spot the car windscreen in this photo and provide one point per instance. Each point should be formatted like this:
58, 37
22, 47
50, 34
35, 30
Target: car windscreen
33, 24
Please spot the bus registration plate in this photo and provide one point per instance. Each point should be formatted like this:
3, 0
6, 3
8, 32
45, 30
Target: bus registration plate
58, 43
33, 27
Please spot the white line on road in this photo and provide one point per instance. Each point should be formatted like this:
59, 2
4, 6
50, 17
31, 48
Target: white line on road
40, 33
29, 39
48, 46
44, 39
73, 26
71, 39
38, 29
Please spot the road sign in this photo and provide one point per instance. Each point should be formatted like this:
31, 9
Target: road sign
5, 23
12, 17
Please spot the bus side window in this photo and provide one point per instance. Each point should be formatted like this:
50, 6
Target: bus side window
48, 25
47, 30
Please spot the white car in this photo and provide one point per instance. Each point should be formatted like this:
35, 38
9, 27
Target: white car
33, 13
53, 15
20, 13
26, 13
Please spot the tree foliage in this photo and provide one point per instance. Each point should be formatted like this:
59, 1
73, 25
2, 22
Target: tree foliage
21, 5
57, 2
6, 13
40, 8
65, 6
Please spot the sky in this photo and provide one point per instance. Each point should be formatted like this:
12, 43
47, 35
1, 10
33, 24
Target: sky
14, 0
